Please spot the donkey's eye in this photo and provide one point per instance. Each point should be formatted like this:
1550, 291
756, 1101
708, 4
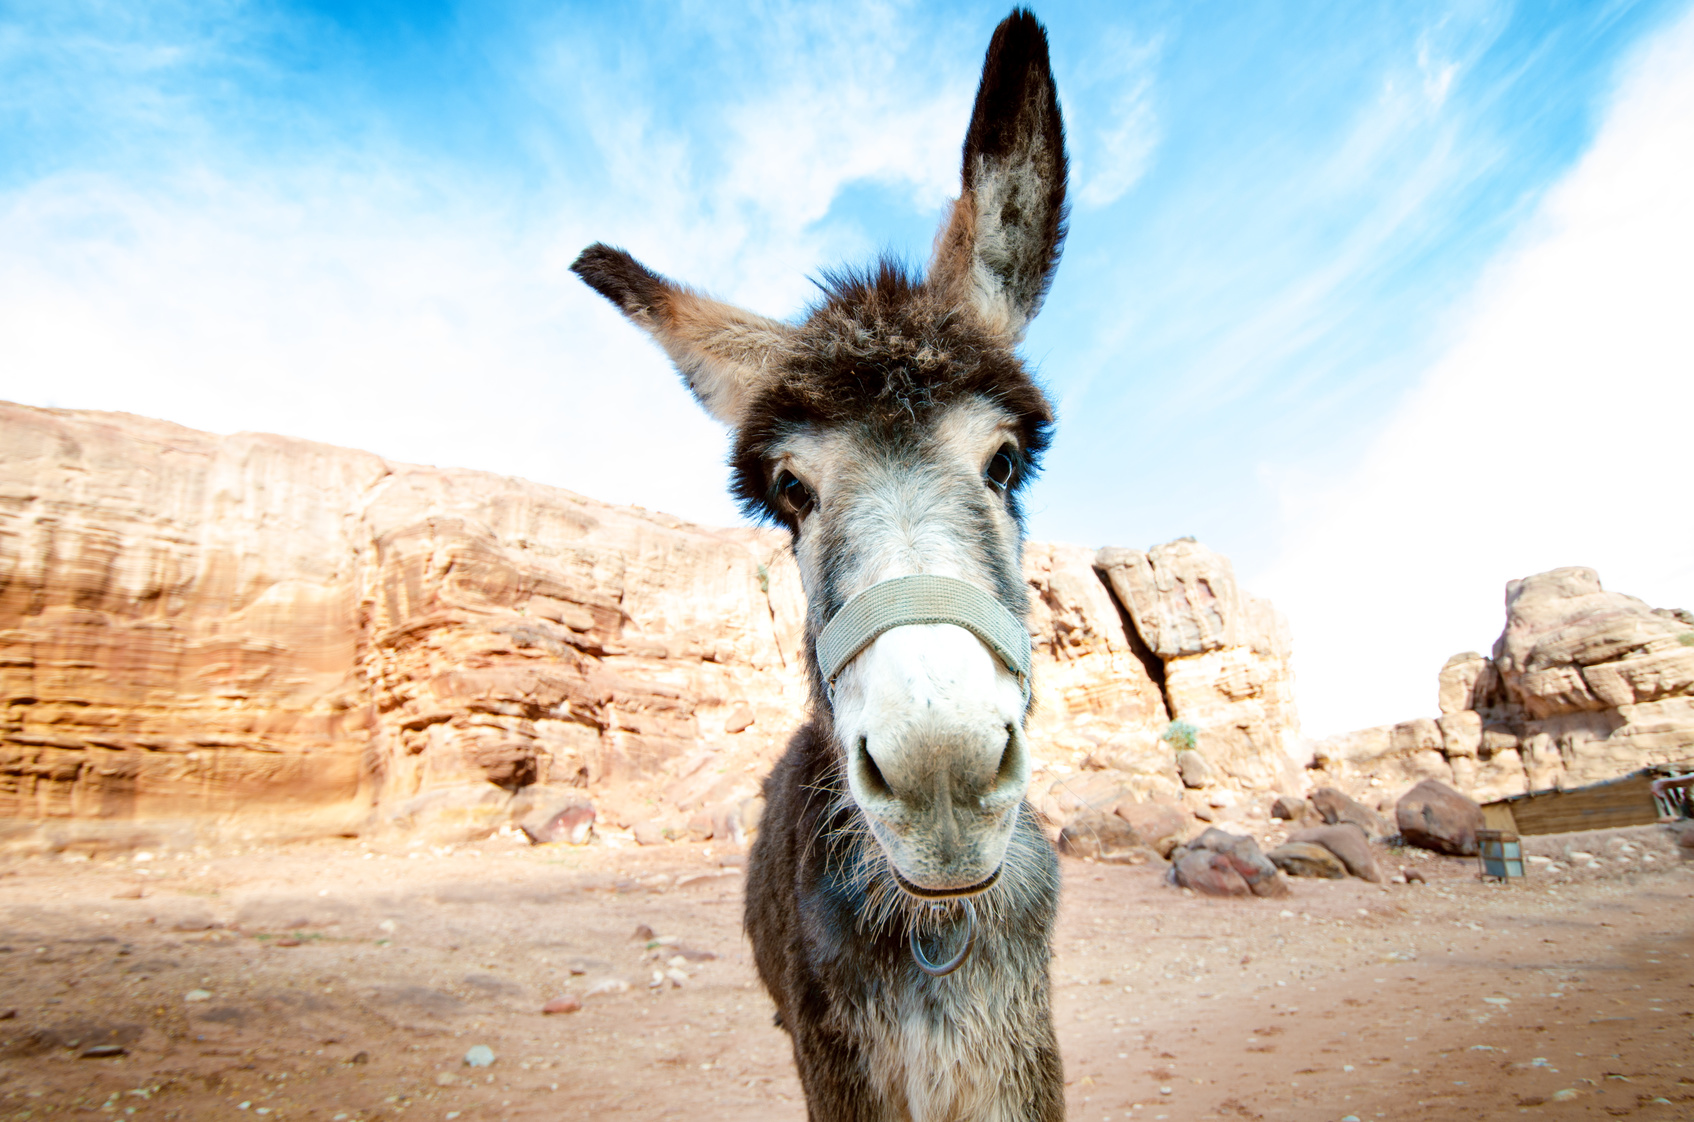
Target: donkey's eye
1002, 468
795, 495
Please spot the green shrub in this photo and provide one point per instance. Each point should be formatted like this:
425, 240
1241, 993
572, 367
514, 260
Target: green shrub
1181, 735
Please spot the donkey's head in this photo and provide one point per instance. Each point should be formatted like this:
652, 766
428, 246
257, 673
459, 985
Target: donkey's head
891, 432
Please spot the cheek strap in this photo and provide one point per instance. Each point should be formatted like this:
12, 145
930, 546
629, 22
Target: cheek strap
923, 598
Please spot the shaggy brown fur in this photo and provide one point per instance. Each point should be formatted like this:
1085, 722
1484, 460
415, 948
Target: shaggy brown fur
877, 365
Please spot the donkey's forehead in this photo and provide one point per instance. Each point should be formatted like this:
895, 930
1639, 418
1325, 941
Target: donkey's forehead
965, 430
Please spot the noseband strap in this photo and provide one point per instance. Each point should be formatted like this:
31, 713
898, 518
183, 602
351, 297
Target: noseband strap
923, 598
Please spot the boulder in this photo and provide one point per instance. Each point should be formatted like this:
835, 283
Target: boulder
1159, 825
1195, 771
650, 832
1333, 806
1349, 844
1307, 859
1239, 852
1210, 874
1103, 837
1570, 646
570, 821
1433, 816
1290, 808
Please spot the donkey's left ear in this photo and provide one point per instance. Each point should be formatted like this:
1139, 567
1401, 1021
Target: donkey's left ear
725, 354
997, 252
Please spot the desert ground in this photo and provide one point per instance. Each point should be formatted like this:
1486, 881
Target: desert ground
347, 980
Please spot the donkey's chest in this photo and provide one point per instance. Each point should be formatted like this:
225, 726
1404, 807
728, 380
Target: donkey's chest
950, 1052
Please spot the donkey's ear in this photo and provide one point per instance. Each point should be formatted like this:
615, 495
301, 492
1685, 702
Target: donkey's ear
723, 353
997, 251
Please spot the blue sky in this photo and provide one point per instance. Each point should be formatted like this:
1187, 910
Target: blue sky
1299, 233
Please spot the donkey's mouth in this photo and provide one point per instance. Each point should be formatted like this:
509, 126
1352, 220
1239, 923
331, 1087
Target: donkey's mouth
976, 889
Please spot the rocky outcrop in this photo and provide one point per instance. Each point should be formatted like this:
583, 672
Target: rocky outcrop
1224, 655
1583, 686
299, 637
284, 637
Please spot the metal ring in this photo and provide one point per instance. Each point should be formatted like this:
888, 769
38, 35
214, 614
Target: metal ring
941, 970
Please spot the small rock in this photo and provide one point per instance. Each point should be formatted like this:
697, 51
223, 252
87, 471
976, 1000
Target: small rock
135, 893
565, 1003
1414, 877
677, 977
649, 833
1290, 808
360, 1058
445, 1079
643, 934
101, 1051
607, 985
739, 721
286, 941
1307, 859
197, 995
1195, 769
480, 1055
1579, 855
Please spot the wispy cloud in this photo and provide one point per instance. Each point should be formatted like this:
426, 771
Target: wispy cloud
1554, 432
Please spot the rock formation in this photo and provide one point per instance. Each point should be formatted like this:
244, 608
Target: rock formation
270, 636
1225, 655
1583, 685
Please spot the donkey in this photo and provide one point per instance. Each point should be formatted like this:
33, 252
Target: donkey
891, 432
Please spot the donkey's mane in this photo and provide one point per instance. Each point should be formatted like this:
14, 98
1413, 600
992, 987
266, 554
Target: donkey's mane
883, 352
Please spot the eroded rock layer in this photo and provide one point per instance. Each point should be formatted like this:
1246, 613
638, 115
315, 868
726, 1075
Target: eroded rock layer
293, 638
1583, 686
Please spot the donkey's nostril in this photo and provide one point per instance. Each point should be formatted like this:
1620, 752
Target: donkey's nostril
1011, 760
870, 776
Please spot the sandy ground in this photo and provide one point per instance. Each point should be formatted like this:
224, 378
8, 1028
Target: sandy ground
347, 981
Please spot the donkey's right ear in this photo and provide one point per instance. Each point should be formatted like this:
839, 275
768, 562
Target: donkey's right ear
997, 252
725, 354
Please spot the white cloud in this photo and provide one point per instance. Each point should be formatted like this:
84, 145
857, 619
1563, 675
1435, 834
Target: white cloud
1555, 431
383, 301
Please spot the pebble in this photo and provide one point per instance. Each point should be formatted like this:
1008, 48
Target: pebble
607, 985
101, 1051
445, 1079
565, 1003
480, 1055
197, 995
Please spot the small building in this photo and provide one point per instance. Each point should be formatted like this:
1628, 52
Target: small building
1642, 798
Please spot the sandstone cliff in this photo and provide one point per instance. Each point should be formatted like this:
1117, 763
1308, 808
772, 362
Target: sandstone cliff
1583, 685
268, 636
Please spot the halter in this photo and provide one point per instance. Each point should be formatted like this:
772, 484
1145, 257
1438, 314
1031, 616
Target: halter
923, 598
926, 598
